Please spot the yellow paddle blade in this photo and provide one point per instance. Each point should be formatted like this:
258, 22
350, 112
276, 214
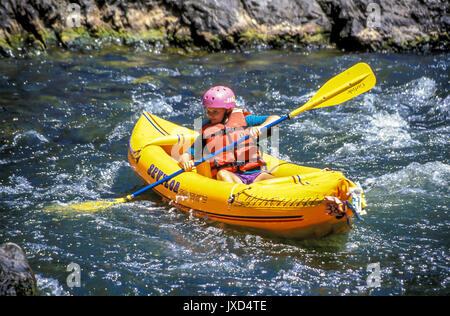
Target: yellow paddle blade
89, 207
354, 81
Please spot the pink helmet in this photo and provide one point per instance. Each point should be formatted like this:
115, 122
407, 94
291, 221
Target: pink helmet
219, 97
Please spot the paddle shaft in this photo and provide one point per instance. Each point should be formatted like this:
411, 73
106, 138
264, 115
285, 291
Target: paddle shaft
196, 163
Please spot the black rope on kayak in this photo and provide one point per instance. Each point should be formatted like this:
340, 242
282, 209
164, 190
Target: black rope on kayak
233, 197
254, 200
349, 224
353, 208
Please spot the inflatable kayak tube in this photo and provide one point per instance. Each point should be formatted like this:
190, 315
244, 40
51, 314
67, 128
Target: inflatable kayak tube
290, 205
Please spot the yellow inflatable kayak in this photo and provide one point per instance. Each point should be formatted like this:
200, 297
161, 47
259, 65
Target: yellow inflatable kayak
289, 205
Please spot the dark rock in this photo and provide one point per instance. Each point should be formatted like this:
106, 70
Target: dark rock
16, 276
401, 25
300, 12
32, 26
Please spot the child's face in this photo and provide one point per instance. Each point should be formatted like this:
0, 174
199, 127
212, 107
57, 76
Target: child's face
215, 115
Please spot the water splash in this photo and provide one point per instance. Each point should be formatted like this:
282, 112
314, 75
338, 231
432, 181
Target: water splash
388, 130
431, 178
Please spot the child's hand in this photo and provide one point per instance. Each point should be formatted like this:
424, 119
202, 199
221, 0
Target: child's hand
186, 162
255, 131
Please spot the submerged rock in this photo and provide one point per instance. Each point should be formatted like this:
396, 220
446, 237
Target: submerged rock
32, 26
16, 276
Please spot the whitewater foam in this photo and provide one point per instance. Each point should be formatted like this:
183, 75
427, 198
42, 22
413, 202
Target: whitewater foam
32, 135
109, 174
431, 177
19, 185
421, 89
388, 130
50, 286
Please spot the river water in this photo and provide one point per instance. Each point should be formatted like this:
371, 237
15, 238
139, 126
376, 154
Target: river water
65, 123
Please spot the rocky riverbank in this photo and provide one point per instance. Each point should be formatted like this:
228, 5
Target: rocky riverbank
30, 27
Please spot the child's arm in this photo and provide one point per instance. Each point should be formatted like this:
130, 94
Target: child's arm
255, 131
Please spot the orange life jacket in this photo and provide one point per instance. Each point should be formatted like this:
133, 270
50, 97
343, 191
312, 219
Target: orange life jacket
244, 156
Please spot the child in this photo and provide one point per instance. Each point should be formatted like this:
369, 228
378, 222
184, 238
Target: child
226, 125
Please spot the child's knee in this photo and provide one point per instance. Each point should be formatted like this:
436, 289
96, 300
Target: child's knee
228, 176
222, 174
